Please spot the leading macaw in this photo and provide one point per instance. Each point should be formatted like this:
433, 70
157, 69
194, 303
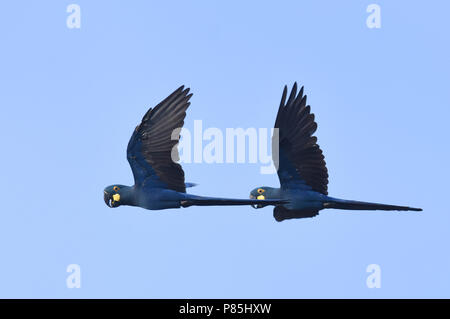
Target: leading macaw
158, 180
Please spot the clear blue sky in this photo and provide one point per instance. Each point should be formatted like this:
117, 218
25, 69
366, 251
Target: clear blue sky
70, 99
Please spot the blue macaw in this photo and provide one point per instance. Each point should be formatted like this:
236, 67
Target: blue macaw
158, 180
301, 166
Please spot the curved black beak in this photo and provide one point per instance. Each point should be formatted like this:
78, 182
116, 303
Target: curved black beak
253, 197
108, 199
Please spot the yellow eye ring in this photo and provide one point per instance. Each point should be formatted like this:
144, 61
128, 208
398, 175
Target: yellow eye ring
260, 190
116, 188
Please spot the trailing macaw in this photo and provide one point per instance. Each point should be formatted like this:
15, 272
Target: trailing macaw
301, 166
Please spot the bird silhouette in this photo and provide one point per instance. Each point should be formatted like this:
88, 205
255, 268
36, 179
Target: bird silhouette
152, 154
301, 166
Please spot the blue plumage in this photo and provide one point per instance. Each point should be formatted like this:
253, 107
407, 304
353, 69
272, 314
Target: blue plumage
152, 154
301, 166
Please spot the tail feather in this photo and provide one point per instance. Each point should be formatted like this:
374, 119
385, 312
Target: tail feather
356, 205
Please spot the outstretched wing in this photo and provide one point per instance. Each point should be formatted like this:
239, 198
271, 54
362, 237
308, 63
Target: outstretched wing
152, 148
300, 159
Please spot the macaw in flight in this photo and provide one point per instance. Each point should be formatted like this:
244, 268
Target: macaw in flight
158, 180
301, 166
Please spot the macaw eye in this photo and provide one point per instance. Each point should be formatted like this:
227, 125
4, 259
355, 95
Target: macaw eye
260, 190
116, 188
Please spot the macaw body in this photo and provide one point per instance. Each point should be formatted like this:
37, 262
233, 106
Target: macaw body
301, 166
152, 154
148, 198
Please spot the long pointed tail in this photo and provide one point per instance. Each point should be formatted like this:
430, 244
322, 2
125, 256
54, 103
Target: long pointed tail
356, 205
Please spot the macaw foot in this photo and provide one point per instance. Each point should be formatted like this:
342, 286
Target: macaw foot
185, 203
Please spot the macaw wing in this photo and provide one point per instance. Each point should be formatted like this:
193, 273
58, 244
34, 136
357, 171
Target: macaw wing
300, 159
152, 147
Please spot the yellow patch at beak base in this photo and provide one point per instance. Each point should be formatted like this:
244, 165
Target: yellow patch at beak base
260, 197
116, 197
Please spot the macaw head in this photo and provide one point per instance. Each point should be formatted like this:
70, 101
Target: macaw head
258, 193
264, 192
112, 195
